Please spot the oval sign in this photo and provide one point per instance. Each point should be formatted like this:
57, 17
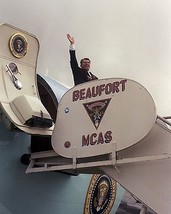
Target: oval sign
101, 116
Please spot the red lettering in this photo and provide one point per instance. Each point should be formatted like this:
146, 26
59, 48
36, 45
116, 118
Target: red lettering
98, 90
116, 87
85, 141
75, 95
94, 138
91, 139
88, 93
108, 88
95, 92
101, 88
108, 136
123, 83
82, 94
100, 138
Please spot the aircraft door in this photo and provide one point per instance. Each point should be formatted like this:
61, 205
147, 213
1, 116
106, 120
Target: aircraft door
20, 99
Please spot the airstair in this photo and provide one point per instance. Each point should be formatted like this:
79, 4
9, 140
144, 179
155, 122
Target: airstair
110, 126
107, 126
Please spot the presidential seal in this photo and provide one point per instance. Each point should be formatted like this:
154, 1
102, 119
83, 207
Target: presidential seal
18, 45
101, 195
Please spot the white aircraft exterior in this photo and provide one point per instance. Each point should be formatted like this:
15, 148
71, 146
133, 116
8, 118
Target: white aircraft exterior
21, 91
126, 39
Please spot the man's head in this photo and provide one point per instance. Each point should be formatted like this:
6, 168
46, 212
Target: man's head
85, 64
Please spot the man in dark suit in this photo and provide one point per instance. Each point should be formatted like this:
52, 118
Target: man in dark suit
81, 74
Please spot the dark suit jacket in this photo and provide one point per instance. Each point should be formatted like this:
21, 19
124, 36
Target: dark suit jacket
80, 75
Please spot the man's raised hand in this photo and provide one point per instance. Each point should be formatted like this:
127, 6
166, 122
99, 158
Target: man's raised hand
71, 39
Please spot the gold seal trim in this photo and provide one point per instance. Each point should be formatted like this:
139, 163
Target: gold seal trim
18, 45
101, 195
